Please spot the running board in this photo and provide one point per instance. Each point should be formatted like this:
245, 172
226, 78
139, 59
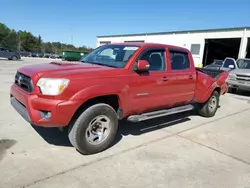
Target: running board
160, 113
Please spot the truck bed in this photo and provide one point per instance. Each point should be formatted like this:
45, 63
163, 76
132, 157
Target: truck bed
211, 72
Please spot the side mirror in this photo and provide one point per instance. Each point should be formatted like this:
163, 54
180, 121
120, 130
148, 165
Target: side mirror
142, 65
231, 66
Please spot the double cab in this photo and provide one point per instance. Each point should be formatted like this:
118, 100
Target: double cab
133, 81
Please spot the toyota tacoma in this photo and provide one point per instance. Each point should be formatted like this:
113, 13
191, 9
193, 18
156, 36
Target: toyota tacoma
133, 81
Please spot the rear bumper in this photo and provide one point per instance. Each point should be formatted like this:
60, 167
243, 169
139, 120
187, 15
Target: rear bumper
42, 111
243, 85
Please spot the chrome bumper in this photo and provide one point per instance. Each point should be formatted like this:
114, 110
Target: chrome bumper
243, 85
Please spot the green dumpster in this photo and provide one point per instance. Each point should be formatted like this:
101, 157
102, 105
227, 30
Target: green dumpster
72, 55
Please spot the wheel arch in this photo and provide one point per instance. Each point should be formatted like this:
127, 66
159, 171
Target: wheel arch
111, 99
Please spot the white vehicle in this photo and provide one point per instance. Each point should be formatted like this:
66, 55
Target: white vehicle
239, 77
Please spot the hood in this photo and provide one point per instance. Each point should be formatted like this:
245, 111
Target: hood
61, 69
245, 72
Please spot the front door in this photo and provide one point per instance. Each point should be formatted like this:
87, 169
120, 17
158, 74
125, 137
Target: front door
149, 90
229, 64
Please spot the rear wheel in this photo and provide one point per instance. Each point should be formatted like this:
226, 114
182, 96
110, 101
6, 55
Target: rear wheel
14, 57
209, 108
94, 130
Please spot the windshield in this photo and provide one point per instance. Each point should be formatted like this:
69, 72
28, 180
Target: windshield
243, 63
218, 62
111, 55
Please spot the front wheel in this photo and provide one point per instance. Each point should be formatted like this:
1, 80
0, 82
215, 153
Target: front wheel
209, 108
95, 129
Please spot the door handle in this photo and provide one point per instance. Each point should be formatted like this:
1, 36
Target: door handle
164, 79
191, 77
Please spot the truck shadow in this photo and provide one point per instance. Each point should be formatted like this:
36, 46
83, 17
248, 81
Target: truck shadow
60, 138
53, 136
136, 129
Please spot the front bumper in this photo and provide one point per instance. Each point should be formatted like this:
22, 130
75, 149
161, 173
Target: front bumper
242, 85
34, 108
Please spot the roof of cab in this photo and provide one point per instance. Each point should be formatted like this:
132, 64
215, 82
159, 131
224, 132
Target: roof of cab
147, 44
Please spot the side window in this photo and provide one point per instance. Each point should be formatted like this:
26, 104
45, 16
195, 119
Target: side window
156, 60
179, 60
228, 62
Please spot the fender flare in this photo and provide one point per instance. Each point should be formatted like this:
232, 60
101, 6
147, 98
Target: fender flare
102, 90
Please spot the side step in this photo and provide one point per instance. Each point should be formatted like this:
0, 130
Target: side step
160, 113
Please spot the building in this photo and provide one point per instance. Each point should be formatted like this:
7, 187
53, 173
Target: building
205, 45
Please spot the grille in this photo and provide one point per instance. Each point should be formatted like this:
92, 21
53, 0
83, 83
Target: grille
24, 82
243, 77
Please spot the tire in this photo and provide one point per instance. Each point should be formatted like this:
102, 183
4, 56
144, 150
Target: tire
14, 57
82, 129
209, 108
233, 90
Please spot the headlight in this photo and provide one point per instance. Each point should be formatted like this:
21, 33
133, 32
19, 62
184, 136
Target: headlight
231, 75
52, 86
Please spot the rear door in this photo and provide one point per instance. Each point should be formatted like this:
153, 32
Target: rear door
149, 90
181, 77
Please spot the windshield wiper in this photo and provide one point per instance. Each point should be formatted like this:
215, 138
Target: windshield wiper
104, 65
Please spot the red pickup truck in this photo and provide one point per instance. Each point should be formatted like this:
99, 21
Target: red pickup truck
136, 81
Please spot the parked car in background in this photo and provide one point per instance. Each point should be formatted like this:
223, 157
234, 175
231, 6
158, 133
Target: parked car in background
217, 64
227, 64
24, 54
239, 78
34, 54
40, 54
47, 55
9, 54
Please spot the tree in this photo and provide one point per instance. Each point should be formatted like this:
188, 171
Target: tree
26, 41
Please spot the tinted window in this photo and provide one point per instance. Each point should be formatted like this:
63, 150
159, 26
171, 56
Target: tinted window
156, 60
228, 62
195, 49
179, 61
